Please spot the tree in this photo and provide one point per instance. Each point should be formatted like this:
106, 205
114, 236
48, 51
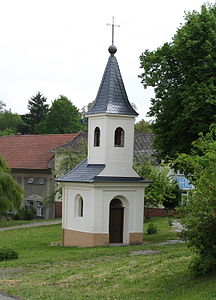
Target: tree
83, 112
163, 190
2, 106
143, 126
68, 157
38, 109
11, 193
63, 117
183, 76
200, 219
9, 123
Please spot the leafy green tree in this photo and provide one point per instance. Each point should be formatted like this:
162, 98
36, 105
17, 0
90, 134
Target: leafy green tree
163, 190
143, 126
200, 219
7, 132
38, 109
2, 106
63, 117
183, 76
83, 111
11, 193
9, 123
68, 157
173, 196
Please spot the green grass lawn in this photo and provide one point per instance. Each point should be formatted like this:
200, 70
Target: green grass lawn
53, 272
10, 223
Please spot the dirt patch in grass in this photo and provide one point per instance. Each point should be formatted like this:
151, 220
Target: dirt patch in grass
145, 252
10, 282
70, 279
10, 270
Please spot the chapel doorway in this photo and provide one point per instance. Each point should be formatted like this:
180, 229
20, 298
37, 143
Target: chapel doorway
116, 221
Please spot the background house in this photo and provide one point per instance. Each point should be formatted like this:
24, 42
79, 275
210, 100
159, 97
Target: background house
31, 159
184, 185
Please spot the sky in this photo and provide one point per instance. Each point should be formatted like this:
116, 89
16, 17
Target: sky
59, 47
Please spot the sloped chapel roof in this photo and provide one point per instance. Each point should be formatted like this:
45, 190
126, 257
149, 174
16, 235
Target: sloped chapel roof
112, 97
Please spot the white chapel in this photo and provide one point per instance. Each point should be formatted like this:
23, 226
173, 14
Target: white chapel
103, 197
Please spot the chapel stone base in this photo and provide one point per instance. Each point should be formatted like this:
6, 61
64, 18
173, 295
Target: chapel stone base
73, 238
135, 238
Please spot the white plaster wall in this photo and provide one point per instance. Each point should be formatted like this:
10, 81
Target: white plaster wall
96, 205
120, 154
96, 155
118, 160
137, 212
70, 218
121, 169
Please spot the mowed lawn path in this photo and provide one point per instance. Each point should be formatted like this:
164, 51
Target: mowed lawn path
47, 272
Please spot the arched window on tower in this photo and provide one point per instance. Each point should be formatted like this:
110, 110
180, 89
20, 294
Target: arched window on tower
97, 137
119, 137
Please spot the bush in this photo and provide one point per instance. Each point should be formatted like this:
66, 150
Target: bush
179, 212
202, 265
163, 189
173, 197
7, 253
200, 220
151, 229
25, 213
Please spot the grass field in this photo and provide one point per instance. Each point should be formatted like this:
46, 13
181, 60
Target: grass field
53, 272
10, 223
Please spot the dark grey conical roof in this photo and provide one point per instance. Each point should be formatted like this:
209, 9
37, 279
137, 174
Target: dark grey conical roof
112, 97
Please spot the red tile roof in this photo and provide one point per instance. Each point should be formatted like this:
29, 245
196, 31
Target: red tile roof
32, 151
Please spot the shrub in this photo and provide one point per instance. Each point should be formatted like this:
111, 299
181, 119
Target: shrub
7, 253
151, 229
173, 198
163, 189
200, 220
25, 213
179, 212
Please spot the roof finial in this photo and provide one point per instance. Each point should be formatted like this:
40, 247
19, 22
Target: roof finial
112, 48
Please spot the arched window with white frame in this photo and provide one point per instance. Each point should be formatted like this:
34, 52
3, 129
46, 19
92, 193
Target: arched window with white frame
78, 206
119, 137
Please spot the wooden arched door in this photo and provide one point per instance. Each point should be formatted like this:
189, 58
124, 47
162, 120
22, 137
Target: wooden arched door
116, 221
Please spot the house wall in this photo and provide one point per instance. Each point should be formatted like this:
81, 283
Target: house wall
35, 192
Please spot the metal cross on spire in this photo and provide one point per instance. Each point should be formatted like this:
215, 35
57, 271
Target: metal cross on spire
113, 25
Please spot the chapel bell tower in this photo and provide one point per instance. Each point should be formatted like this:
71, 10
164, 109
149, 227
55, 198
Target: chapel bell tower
103, 197
111, 124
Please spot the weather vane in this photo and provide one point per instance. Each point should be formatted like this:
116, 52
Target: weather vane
113, 25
